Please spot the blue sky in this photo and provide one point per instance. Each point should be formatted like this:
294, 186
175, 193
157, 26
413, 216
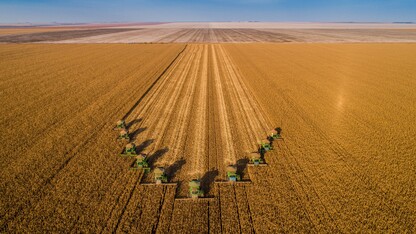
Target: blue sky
43, 11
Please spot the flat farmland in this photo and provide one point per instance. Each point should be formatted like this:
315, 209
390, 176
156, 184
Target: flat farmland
213, 32
347, 162
27, 30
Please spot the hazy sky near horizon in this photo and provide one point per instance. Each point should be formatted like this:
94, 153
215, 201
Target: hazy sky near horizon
44, 11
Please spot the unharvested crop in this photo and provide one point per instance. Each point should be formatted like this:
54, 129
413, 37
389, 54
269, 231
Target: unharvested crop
198, 108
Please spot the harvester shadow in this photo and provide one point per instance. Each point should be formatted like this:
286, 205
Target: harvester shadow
241, 166
208, 179
156, 155
175, 167
137, 132
133, 122
144, 145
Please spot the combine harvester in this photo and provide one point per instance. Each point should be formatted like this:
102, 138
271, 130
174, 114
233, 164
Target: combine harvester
124, 135
264, 146
233, 177
256, 160
275, 134
195, 192
121, 124
141, 163
129, 150
160, 177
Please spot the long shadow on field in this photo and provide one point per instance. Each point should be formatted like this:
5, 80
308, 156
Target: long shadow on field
241, 166
208, 179
144, 145
156, 155
137, 132
133, 122
175, 167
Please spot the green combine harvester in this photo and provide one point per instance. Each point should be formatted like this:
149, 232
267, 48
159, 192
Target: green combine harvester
195, 189
265, 146
232, 175
256, 160
141, 163
124, 135
121, 124
129, 150
160, 175
275, 134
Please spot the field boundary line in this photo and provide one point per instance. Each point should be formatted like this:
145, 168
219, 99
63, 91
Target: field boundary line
150, 107
159, 211
154, 83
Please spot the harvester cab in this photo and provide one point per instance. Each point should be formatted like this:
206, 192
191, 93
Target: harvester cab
232, 175
121, 124
129, 150
256, 159
160, 175
142, 163
124, 135
195, 189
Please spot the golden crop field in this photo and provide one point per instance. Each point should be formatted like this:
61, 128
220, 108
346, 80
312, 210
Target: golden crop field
346, 164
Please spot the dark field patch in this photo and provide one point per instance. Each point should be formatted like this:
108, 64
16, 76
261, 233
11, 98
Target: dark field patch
59, 35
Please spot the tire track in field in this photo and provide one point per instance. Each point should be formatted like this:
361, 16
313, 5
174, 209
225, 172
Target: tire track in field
254, 123
36, 136
190, 217
254, 120
46, 186
160, 105
166, 212
173, 37
167, 118
160, 95
186, 137
128, 201
151, 93
147, 220
154, 83
200, 131
244, 124
112, 214
297, 189
290, 165
181, 121
228, 147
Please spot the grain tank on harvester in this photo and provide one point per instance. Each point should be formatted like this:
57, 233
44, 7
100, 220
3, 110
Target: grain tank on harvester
124, 135
121, 124
129, 150
264, 146
275, 134
195, 189
141, 163
232, 175
256, 159
160, 175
